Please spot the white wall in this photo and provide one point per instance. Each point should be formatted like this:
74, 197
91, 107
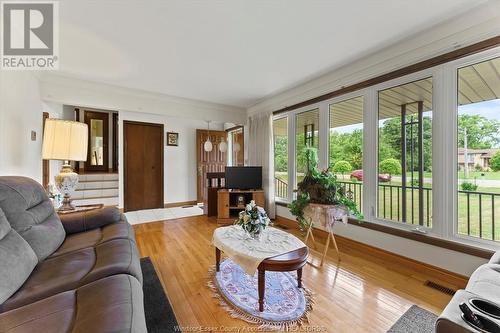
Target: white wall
447, 259
20, 113
179, 162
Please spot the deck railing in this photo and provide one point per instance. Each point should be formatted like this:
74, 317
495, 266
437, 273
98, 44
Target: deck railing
280, 188
478, 212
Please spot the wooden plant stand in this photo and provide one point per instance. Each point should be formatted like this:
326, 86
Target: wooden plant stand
322, 219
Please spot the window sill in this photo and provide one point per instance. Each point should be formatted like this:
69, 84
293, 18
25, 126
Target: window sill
281, 203
425, 238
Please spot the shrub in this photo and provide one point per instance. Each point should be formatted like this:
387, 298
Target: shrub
495, 162
342, 167
468, 186
391, 166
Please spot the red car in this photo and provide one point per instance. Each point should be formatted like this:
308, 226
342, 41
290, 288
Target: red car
382, 177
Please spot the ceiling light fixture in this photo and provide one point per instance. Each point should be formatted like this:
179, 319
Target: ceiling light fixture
208, 144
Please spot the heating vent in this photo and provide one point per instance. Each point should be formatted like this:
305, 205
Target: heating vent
439, 287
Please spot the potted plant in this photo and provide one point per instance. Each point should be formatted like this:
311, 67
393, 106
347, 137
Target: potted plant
319, 187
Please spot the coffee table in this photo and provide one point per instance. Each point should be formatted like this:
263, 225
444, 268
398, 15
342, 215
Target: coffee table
290, 261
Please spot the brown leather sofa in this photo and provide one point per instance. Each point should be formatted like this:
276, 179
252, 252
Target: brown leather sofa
78, 272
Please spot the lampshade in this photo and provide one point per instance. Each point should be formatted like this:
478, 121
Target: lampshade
208, 146
223, 146
65, 140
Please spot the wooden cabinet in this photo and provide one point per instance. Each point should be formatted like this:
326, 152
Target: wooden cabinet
222, 204
231, 202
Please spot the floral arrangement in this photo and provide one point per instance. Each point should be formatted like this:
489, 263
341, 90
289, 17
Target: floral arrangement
253, 219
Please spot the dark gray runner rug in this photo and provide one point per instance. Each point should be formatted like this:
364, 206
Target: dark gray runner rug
159, 314
415, 320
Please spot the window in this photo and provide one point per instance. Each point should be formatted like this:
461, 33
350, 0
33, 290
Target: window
306, 135
346, 145
405, 153
478, 135
280, 136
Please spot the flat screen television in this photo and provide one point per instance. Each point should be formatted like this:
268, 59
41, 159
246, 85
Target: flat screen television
244, 178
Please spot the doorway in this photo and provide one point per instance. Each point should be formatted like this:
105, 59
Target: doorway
98, 151
143, 165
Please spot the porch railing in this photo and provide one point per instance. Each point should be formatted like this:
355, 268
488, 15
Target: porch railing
478, 212
280, 188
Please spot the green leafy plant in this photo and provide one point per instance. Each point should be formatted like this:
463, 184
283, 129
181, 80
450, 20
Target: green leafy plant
468, 186
495, 162
342, 167
319, 187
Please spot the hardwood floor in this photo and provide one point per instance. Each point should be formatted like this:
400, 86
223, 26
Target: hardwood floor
361, 293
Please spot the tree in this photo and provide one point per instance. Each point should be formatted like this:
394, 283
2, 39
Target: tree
481, 132
342, 167
390, 166
495, 162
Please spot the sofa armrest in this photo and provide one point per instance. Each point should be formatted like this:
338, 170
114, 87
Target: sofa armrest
88, 220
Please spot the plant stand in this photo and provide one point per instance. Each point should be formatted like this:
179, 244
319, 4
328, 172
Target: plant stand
321, 213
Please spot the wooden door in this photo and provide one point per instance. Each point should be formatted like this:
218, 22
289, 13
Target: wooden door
143, 165
98, 153
214, 161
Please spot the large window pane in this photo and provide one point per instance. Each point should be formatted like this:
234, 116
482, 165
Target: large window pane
405, 153
280, 134
306, 135
346, 145
479, 150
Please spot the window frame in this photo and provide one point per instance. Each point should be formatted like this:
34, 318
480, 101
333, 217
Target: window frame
451, 74
444, 136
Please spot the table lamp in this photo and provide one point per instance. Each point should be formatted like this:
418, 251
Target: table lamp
66, 141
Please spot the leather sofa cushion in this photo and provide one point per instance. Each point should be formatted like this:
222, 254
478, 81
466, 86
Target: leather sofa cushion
113, 304
31, 214
75, 269
94, 237
485, 282
17, 259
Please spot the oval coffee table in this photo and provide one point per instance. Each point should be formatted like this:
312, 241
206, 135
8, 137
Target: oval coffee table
290, 261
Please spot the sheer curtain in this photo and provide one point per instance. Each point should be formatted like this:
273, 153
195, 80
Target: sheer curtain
260, 153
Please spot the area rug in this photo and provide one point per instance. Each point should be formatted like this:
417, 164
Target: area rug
286, 306
415, 319
159, 314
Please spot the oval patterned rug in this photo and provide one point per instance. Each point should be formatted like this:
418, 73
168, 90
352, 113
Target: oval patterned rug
285, 306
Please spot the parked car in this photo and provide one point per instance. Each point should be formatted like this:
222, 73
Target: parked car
382, 177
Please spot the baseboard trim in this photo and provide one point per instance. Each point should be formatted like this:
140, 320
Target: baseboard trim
180, 204
457, 280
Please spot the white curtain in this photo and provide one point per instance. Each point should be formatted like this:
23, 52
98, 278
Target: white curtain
260, 153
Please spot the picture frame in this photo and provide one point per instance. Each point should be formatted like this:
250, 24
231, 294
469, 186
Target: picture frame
172, 139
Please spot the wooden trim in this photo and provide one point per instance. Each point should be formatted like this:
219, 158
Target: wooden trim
234, 128
104, 117
435, 61
125, 189
115, 144
45, 163
431, 240
436, 272
180, 204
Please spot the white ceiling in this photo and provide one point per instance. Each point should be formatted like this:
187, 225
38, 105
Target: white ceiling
232, 52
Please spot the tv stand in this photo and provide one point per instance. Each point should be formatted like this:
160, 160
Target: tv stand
230, 202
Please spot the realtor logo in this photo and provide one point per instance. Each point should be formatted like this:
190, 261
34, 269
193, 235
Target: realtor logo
29, 35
